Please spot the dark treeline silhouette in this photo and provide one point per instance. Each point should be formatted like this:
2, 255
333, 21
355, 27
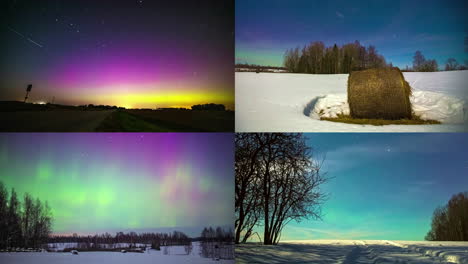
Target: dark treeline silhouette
255, 66
23, 224
217, 243
317, 58
104, 107
209, 234
453, 65
421, 64
277, 181
213, 107
155, 239
450, 222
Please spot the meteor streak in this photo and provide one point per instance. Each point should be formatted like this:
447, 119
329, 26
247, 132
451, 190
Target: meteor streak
23, 36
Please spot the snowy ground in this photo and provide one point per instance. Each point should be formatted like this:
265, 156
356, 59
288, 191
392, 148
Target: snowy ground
279, 102
354, 251
176, 254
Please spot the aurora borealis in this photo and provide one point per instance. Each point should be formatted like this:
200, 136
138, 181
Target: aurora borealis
109, 182
384, 185
131, 53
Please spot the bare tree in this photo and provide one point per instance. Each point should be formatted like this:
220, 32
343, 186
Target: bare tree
284, 183
450, 222
418, 60
292, 60
14, 234
3, 215
26, 219
247, 201
451, 64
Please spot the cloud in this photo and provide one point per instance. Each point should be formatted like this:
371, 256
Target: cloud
338, 14
296, 232
418, 187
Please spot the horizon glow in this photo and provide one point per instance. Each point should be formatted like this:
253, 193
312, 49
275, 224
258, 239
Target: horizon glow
137, 54
108, 182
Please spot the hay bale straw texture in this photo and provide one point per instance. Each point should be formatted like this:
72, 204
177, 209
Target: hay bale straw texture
379, 94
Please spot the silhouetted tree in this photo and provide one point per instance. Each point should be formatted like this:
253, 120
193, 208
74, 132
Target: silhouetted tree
23, 226
3, 215
422, 65
292, 60
450, 222
316, 58
418, 60
14, 234
26, 219
451, 64
247, 184
288, 182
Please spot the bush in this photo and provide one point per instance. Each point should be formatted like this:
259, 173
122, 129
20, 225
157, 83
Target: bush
155, 246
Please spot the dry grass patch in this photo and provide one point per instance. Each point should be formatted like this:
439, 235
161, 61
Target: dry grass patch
380, 122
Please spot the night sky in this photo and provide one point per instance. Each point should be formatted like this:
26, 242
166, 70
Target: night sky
385, 186
131, 53
110, 182
266, 28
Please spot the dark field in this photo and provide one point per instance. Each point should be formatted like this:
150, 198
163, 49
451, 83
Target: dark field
20, 117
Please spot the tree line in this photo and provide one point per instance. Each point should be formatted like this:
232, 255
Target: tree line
257, 67
317, 58
453, 65
211, 106
450, 222
25, 224
421, 64
155, 239
277, 180
209, 234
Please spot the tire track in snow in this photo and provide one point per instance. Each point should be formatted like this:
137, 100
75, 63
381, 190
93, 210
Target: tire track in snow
355, 253
436, 254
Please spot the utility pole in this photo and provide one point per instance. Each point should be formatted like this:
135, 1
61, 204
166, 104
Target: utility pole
27, 92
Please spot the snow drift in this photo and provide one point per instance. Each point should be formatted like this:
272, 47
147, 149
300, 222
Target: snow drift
354, 251
283, 102
427, 105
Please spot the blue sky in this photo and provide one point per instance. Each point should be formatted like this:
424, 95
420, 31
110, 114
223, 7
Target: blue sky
266, 28
384, 186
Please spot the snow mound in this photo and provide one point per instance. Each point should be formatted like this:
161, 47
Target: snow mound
437, 106
427, 105
331, 105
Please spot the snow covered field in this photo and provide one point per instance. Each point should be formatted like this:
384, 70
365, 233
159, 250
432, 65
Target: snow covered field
176, 254
104, 257
279, 102
354, 251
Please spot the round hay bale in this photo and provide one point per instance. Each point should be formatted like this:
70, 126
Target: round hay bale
379, 94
